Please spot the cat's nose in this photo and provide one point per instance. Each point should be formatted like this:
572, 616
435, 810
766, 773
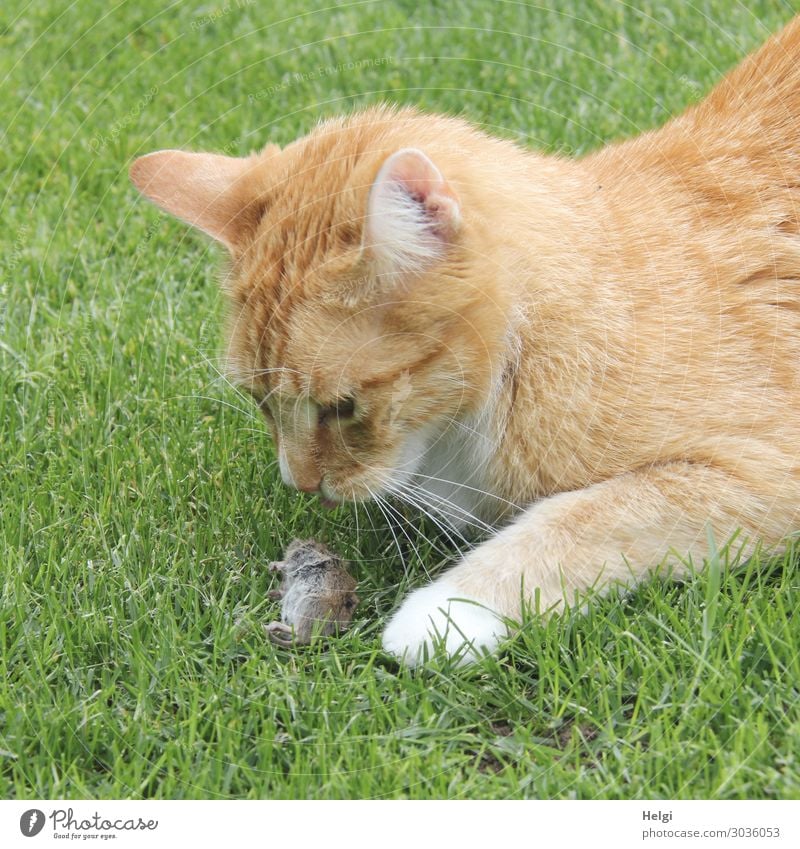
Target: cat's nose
298, 472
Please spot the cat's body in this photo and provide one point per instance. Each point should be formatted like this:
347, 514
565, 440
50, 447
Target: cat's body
606, 350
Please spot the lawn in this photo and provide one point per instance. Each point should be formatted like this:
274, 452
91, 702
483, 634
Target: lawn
140, 496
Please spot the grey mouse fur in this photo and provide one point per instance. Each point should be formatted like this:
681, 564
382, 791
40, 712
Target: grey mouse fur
317, 594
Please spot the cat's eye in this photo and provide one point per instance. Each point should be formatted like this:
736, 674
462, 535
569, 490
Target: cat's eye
341, 408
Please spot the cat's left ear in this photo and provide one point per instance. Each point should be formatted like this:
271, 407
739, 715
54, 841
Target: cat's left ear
413, 214
217, 194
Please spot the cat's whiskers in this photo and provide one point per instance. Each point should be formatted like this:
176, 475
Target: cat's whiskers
384, 506
243, 375
422, 509
358, 528
416, 499
376, 499
483, 492
366, 507
247, 410
455, 539
444, 523
467, 429
237, 377
457, 511
269, 395
220, 372
390, 510
222, 377
213, 399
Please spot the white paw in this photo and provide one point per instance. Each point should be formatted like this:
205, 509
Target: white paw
440, 614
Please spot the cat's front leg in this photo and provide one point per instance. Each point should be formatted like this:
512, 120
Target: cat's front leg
612, 532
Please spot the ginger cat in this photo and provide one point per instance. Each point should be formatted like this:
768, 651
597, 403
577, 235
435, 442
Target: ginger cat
602, 353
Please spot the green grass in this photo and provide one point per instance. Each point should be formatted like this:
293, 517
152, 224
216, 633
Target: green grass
139, 495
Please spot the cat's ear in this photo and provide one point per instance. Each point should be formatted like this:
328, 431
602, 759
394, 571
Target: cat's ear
217, 194
412, 215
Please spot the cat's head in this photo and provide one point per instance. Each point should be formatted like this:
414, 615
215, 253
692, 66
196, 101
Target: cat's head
363, 318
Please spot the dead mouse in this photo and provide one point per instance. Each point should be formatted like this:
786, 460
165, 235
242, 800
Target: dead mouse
316, 594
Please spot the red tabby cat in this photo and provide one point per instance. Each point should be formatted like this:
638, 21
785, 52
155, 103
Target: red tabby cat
603, 352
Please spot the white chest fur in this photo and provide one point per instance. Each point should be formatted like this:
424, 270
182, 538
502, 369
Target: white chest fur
452, 477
